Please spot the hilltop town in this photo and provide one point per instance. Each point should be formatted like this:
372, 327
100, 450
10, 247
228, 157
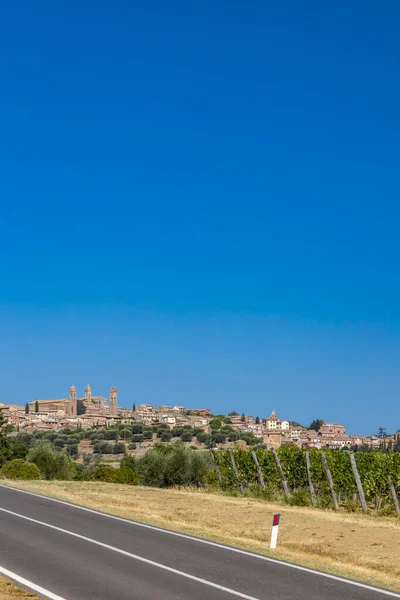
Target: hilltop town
88, 411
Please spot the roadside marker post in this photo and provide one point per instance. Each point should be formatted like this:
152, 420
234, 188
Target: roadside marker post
274, 533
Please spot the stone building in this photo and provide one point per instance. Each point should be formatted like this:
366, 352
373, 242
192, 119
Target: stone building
69, 406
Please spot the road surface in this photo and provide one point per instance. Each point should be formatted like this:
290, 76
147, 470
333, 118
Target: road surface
79, 554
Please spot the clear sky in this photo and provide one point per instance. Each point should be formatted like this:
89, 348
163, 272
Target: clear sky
200, 205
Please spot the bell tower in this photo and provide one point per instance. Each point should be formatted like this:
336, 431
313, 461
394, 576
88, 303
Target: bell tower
88, 394
73, 405
113, 401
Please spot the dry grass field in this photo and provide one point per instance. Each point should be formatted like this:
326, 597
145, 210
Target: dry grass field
8, 591
366, 548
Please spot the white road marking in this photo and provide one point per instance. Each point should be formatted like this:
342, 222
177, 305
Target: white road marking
29, 584
282, 563
130, 555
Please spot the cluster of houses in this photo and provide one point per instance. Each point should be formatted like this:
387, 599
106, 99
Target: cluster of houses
95, 410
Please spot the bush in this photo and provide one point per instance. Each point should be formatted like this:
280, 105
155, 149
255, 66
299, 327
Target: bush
211, 479
20, 469
137, 437
166, 436
129, 462
110, 434
82, 476
106, 473
52, 463
127, 476
148, 434
132, 446
300, 497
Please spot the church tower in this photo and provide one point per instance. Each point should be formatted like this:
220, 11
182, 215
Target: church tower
113, 401
73, 405
88, 394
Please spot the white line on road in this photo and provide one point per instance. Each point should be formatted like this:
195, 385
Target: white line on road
282, 563
130, 555
29, 584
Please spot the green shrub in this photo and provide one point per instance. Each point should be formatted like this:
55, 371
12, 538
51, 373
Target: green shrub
82, 476
300, 497
127, 476
129, 462
132, 446
110, 475
20, 469
137, 437
211, 479
148, 434
106, 473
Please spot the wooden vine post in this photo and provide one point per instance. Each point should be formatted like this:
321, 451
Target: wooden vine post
260, 475
236, 471
217, 470
358, 482
330, 481
310, 483
279, 467
394, 495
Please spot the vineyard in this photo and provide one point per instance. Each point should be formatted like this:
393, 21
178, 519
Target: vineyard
329, 478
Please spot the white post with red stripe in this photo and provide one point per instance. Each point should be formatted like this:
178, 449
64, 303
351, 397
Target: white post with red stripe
274, 533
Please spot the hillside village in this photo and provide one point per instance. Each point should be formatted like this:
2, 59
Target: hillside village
88, 411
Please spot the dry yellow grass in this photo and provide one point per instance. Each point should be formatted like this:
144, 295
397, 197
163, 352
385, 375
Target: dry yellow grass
361, 547
8, 591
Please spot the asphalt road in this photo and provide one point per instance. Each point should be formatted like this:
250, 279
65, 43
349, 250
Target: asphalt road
84, 555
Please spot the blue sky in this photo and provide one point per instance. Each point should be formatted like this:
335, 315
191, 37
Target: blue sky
200, 205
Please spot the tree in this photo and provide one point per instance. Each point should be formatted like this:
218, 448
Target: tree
257, 420
186, 436
233, 414
316, 425
5, 451
381, 433
134, 407
52, 463
80, 407
36, 406
243, 418
27, 408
